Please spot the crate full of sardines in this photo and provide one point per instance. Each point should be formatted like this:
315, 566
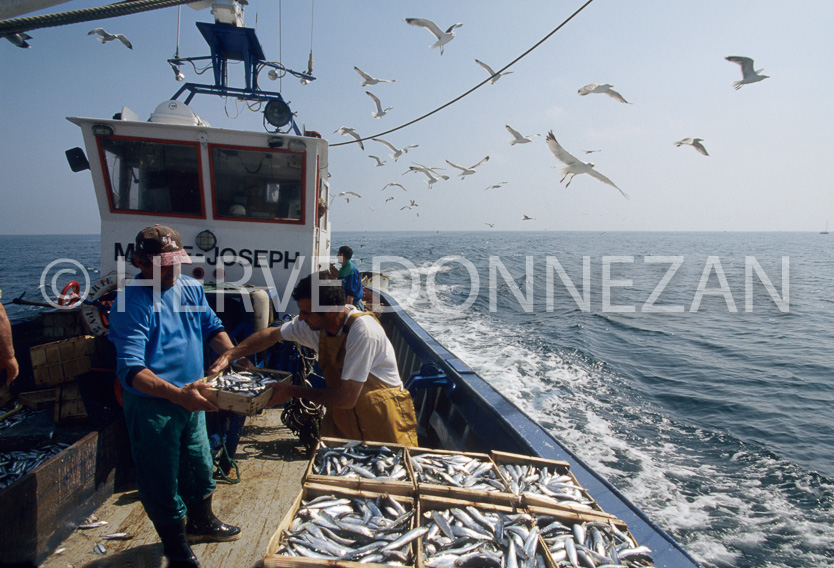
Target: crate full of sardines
465, 475
545, 483
460, 532
243, 392
329, 526
580, 539
361, 465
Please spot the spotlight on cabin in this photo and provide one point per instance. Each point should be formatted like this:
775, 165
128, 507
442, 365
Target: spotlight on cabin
273, 74
277, 113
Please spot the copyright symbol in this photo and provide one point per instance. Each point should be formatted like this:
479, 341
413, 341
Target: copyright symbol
60, 268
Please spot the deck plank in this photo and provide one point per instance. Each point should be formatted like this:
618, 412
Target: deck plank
271, 466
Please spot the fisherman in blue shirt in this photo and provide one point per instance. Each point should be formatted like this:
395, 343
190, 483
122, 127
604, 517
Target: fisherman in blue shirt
158, 324
350, 277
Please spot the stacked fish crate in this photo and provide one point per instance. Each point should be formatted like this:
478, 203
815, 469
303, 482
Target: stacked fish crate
449, 509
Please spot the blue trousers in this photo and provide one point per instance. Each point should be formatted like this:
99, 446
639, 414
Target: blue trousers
171, 453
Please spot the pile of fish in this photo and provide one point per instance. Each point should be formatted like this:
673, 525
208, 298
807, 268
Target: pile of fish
456, 470
14, 465
544, 480
591, 544
360, 530
356, 459
472, 537
243, 382
15, 418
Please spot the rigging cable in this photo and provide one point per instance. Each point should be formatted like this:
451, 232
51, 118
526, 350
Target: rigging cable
124, 8
479, 85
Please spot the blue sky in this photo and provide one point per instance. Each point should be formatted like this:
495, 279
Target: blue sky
768, 142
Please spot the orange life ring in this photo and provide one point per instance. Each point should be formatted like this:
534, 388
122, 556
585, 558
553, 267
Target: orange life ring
70, 294
96, 306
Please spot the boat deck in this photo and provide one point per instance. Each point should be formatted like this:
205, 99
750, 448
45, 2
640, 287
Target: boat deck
271, 467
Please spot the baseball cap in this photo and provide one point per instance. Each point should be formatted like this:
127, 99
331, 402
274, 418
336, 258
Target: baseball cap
163, 243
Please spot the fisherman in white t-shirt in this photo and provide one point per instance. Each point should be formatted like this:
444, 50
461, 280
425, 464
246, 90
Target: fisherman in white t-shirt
365, 398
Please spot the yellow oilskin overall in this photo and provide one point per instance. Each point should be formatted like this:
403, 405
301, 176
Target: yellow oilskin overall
382, 413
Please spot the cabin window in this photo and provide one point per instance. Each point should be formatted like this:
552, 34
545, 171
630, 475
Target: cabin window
258, 185
152, 177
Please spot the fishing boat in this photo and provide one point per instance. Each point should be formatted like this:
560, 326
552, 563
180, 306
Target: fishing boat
252, 210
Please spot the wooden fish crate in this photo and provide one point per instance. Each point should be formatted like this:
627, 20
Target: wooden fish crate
69, 406
406, 488
5, 395
62, 323
429, 503
540, 500
477, 495
311, 491
37, 400
544, 516
61, 361
241, 403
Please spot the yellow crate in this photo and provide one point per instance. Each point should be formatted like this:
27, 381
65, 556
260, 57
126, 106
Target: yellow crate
239, 403
61, 361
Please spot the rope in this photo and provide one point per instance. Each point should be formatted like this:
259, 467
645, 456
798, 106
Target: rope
301, 416
123, 8
231, 461
473, 89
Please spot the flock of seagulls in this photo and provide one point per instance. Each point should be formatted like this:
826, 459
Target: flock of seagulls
20, 39
571, 166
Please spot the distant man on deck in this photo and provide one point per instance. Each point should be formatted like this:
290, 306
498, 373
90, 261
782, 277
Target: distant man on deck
8, 362
364, 397
158, 324
350, 277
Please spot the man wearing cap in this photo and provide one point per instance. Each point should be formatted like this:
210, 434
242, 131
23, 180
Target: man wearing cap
158, 324
364, 397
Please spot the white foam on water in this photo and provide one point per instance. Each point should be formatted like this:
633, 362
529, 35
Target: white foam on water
716, 513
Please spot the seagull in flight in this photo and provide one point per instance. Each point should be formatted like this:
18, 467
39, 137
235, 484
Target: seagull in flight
379, 112
695, 143
397, 152
495, 186
19, 39
493, 75
517, 137
395, 185
605, 89
526, 218
748, 75
574, 167
104, 37
591, 151
467, 171
491, 225
389, 199
350, 132
347, 194
442, 37
378, 161
431, 173
367, 80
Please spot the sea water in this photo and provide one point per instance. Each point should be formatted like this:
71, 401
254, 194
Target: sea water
693, 370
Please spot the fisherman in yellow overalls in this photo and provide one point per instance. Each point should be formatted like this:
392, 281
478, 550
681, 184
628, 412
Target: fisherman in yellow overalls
364, 397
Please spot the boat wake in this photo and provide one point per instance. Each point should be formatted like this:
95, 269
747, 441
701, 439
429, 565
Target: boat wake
728, 502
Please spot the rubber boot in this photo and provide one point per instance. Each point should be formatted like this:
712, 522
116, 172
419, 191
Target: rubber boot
175, 545
203, 525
